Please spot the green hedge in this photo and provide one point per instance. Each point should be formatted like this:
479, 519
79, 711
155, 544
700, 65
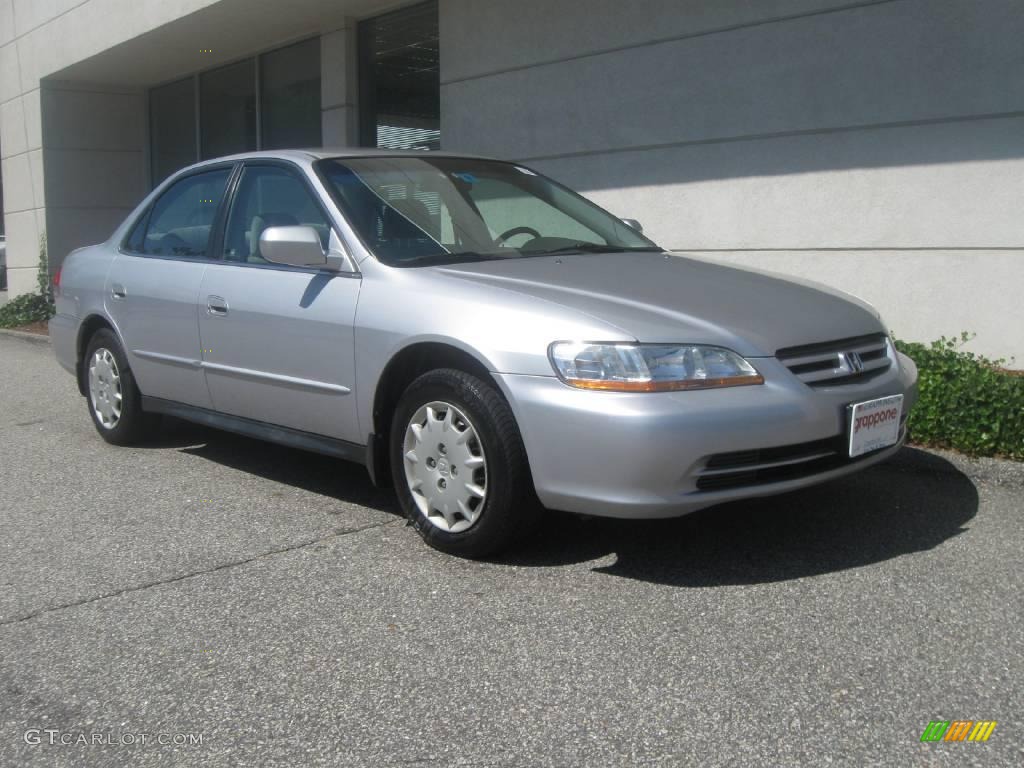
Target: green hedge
25, 309
968, 402
31, 307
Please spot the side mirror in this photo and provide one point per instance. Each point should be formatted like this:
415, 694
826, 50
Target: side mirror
633, 224
295, 246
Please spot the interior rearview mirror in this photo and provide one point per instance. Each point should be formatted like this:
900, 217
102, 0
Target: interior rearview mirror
297, 246
633, 224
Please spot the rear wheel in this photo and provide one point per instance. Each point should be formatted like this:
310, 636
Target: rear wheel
459, 466
115, 404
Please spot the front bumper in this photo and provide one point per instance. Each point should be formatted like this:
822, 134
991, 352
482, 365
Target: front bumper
641, 455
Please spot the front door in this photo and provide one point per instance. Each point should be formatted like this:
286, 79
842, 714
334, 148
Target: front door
277, 341
153, 287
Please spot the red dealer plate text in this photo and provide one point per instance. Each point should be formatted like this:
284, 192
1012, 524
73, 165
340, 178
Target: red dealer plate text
875, 424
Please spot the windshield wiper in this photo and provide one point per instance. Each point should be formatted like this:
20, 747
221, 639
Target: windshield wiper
434, 259
583, 247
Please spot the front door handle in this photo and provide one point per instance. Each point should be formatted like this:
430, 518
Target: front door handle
117, 291
216, 305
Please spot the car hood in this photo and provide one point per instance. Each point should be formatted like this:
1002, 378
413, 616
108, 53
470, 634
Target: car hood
658, 297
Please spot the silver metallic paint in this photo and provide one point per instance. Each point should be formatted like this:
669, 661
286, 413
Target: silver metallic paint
294, 341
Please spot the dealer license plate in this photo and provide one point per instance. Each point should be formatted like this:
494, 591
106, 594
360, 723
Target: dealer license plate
875, 424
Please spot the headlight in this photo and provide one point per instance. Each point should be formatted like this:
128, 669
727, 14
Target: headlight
649, 367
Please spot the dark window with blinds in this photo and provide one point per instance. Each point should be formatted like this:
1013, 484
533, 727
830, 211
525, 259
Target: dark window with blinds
227, 109
400, 79
172, 127
229, 117
290, 96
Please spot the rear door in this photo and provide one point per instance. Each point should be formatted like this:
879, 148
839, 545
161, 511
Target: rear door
277, 341
153, 286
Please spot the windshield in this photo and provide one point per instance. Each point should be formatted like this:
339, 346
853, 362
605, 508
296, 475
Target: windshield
411, 211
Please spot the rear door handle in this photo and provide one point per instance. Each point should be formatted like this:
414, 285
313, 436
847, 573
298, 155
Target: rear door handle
117, 291
216, 305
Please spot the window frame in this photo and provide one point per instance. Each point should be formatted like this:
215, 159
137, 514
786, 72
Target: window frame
196, 77
229, 202
261, 81
255, 83
218, 218
367, 106
151, 156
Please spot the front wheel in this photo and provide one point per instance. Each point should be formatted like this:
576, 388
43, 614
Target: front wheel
459, 466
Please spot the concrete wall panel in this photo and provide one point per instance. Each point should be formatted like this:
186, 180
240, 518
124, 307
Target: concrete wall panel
35, 166
18, 195
12, 128
94, 179
774, 134
70, 228
338, 87
29, 14
487, 37
33, 119
953, 185
6, 21
92, 119
337, 82
85, 29
95, 162
10, 77
23, 230
339, 127
823, 71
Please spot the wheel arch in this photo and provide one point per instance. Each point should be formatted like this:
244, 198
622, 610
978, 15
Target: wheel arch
86, 330
401, 370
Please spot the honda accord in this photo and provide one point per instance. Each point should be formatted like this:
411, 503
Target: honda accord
482, 337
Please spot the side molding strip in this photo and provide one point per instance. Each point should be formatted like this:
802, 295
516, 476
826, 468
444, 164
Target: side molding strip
170, 359
246, 373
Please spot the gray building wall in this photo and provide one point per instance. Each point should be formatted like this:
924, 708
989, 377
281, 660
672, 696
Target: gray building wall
94, 160
338, 95
874, 146
37, 41
73, 81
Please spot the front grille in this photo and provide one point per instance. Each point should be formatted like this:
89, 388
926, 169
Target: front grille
763, 466
845, 361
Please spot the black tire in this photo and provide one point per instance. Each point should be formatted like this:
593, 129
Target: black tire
133, 425
510, 508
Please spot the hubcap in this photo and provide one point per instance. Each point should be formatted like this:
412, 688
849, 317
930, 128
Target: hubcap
105, 388
445, 466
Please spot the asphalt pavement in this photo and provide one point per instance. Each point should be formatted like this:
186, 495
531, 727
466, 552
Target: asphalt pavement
209, 600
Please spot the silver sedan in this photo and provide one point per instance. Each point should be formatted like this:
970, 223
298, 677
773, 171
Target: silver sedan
486, 339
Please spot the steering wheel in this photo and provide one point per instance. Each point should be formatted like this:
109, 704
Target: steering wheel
175, 245
517, 231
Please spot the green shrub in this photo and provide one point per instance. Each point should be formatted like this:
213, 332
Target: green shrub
31, 307
25, 309
967, 402
43, 273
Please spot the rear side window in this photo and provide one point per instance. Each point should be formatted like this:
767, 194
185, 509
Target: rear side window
181, 220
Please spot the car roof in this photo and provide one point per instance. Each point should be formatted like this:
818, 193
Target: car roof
321, 153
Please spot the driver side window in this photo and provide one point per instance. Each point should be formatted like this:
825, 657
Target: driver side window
269, 196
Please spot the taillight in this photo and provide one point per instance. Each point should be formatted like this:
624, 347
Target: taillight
56, 282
